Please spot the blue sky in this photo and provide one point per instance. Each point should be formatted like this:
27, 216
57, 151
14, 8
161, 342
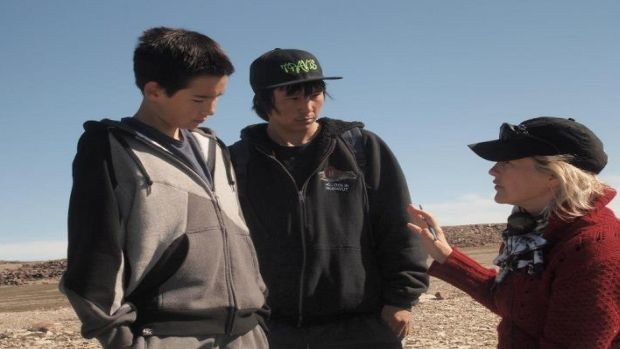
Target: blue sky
428, 76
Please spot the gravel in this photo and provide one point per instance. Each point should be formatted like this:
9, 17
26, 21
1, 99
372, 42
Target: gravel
444, 318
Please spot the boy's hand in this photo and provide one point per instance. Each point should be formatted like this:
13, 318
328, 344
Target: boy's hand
398, 319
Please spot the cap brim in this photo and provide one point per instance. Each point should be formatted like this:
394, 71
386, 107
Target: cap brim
499, 150
303, 80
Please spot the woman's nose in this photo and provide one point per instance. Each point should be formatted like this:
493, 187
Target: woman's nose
493, 171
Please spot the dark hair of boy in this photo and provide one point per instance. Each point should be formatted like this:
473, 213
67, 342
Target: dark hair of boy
263, 102
173, 57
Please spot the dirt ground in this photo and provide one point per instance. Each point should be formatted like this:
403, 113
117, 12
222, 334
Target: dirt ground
38, 316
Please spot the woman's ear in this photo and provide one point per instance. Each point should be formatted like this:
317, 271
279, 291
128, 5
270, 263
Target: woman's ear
554, 181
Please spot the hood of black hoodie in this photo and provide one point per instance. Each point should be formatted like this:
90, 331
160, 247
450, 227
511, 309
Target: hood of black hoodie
330, 128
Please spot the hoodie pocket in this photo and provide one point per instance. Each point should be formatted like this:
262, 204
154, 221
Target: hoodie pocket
199, 285
169, 263
248, 284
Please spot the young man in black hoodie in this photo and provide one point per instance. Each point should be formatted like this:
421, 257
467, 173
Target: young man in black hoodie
326, 202
159, 254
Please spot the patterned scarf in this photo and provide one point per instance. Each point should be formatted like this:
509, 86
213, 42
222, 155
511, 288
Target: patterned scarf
523, 244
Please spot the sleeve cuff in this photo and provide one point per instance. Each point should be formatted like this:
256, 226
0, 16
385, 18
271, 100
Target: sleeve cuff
118, 337
461, 271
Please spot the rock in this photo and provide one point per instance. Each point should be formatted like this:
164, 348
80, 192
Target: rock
41, 327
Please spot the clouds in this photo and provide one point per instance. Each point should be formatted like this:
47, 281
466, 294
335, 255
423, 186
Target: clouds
466, 209
469, 209
613, 179
28, 251
480, 208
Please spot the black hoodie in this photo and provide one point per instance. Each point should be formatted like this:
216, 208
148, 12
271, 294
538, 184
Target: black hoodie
339, 245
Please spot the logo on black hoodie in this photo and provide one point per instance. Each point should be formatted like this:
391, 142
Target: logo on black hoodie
337, 180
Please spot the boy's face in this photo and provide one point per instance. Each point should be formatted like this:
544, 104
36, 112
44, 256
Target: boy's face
296, 112
189, 107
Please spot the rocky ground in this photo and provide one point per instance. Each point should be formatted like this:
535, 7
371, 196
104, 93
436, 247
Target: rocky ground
18, 273
33, 314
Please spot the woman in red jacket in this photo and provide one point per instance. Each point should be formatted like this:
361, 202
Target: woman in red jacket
558, 279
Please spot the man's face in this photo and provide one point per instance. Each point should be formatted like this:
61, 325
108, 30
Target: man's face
296, 112
189, 107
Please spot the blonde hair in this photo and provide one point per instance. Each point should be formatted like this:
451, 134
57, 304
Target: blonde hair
577, 190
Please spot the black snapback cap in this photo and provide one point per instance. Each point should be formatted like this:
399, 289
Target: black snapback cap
281, 67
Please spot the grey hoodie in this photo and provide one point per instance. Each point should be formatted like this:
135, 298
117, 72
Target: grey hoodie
153, 250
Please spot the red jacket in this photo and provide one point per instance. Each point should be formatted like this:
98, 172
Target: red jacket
573, 303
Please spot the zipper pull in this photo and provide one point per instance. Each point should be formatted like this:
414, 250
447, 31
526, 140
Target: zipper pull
300, 320
300, 194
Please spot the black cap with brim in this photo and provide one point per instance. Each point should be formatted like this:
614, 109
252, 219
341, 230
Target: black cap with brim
303, 80
544, 136
510, 150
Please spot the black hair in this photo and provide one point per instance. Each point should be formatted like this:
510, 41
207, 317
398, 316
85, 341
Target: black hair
263, 102
173, 57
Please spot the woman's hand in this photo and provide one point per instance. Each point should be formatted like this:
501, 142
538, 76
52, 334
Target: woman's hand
438, 249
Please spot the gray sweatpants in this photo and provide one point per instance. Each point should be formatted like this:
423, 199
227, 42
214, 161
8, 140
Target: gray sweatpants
254, 339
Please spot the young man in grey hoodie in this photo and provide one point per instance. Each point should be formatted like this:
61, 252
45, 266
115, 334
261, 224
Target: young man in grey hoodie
159, 254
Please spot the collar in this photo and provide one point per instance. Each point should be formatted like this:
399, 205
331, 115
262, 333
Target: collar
560, 229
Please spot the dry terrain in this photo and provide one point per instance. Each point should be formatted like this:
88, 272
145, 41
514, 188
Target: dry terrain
34, 314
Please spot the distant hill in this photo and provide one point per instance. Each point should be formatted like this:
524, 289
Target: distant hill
19, 273
474, 235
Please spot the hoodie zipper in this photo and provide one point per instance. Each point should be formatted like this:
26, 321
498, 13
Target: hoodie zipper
190, 171
227, 259
301, 194
301, 202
